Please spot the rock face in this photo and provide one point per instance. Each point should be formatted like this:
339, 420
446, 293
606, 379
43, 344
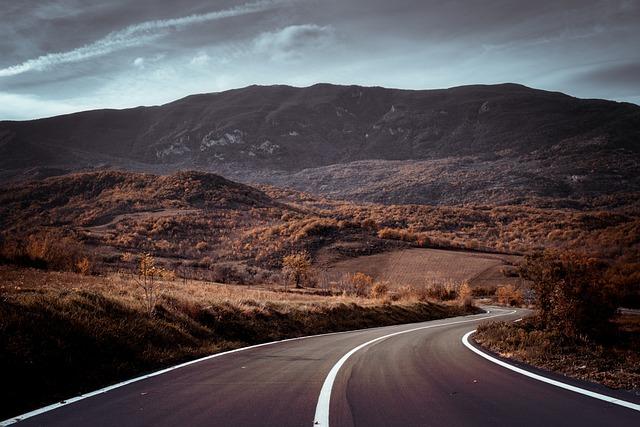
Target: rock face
505, 139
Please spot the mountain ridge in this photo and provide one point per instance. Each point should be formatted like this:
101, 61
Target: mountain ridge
289, 136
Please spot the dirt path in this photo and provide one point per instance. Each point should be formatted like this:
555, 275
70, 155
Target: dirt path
134, 215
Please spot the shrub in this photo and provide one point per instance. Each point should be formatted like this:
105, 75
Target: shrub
465, 296
509, 295
362, 284
225, 273
443, 291
379, 290
509, 271
84, 266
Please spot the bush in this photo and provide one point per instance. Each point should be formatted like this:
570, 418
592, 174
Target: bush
379, 290
509, 271
465, 295
358, 284
509, 295
317, 227
84, 266
362, 284
443, 291
226, 273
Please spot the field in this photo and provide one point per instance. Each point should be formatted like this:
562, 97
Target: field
419, 267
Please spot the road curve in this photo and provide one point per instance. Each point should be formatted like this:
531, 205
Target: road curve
423, 377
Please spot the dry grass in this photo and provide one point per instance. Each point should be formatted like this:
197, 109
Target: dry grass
122, 287
614, 363
65, 333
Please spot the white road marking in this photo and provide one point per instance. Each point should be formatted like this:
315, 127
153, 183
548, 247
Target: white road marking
321, 417
604, 397
65, 402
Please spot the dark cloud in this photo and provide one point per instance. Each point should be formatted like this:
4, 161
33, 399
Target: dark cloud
625, 75
289, 42
78, 51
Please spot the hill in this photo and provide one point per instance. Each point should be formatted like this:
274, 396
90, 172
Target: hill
214, 228
501, 143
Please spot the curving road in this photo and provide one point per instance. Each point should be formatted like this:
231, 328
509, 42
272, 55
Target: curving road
424, 377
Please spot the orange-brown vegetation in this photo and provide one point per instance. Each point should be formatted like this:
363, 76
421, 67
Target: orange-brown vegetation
297, 267
198, 223
576, 329
509, 295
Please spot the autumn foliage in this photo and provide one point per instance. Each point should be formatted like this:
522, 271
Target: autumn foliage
296, 267
571, 292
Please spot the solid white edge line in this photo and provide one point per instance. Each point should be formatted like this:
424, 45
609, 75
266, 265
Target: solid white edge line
603, 397
321, 417
69, 401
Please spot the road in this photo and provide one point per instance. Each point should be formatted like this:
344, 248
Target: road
425, 377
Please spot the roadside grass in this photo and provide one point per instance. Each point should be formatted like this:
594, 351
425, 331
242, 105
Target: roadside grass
63, 334
614, 362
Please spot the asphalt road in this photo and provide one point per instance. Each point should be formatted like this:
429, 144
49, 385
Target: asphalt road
425, 377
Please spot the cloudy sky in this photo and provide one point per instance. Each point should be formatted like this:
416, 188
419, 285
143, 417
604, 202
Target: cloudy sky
61, 56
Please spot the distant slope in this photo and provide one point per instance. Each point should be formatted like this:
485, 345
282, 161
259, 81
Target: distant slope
95, 198
251, 133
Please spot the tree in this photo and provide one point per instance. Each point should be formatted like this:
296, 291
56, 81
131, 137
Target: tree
570, 292
148, 275
296, 267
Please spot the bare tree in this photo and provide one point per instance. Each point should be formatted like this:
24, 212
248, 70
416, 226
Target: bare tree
147, 280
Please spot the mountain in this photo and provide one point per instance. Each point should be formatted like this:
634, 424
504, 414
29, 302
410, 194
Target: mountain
500, 143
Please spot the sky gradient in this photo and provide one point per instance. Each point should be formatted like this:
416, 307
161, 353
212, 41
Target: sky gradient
62, 56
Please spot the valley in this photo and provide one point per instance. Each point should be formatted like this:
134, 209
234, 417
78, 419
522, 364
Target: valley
265, 213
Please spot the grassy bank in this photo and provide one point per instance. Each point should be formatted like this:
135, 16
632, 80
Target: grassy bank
62, 334
614, 362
